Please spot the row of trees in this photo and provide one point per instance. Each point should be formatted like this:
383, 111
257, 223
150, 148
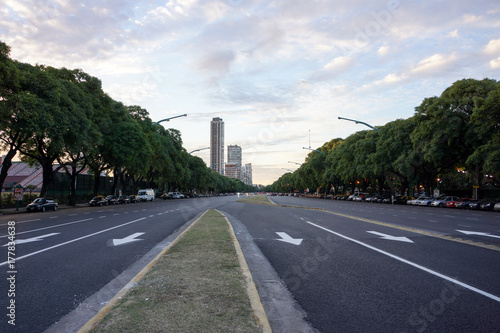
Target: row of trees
452, 141
61, 118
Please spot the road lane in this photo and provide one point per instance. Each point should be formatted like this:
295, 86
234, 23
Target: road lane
347, 287
61, 271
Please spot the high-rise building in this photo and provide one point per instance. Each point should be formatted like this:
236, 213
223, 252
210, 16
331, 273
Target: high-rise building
234, 154
233, 171
246, 174
217, 145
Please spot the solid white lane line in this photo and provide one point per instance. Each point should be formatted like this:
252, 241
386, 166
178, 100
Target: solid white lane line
452, 280
53, 226
72, 241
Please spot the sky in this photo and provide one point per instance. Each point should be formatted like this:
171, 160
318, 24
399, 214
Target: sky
279, 73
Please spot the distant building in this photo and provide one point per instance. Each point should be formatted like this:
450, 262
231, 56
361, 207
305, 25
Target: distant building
233, 171
217, 145
234, 154
246, 174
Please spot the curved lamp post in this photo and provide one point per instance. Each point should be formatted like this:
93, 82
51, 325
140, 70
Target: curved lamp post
168, 119
360, 122
318, 151
198, 150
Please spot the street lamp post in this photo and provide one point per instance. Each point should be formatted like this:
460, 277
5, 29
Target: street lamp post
360, 122
294, 163
318, 151
168, 119
198, 150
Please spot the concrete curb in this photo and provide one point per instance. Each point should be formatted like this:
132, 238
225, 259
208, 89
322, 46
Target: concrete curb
284, 314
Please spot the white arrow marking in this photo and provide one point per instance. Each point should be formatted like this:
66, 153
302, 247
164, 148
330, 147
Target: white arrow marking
34, 239
287, 239
478, 233
128, 239
389, 237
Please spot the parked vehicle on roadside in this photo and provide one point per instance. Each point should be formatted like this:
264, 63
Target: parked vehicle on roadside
98, 201
424, 201
42, 204
123, 199
166, 196
112, 200
496, 208
176, 195
146, 194
441, 202
132, 198
488, 204
465, 203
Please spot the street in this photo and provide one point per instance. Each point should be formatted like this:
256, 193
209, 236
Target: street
351, 266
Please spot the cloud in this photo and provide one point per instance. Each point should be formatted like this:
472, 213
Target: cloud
495, 63
493, 46
434, 64
333, 69
383, 51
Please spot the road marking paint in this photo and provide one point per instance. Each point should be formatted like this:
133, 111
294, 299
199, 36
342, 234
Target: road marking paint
115, 214
450, 216
54, 226
101, 217
22, 222
433, 221
72, 214
471, 218
72, 241
425, 269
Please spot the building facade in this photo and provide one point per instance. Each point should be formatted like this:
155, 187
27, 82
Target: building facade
246, 174
217, 145
234, 154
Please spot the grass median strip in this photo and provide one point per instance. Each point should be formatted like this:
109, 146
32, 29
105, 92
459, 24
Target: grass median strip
197, 286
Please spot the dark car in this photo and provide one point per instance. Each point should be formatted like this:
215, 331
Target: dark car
42, 204
166, 196
132, 198
112, 200
123, 199
464, 203
488, 204
98, 201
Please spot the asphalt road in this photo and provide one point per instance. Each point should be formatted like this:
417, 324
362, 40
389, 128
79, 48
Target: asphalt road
64, 257
359, 267
351, 272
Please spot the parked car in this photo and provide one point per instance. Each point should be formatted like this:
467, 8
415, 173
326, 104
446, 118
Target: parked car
98, 201
453, 204
465, 203
402, 200
441, 202
489, 204
123, 199
496, 208
425, 201
112, 200
166, 196
176, 195
476, 205
132, 198
42, 204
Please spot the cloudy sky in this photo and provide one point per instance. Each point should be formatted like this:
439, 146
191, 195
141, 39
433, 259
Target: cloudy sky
279, 73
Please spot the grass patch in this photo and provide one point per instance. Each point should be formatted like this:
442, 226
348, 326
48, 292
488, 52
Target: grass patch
257, 199
197, 286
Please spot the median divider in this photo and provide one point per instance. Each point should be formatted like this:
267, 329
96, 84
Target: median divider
199, 283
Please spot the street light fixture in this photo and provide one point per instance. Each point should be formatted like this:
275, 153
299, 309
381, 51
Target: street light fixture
360, 122
168, 119
318, 151
295, 163
198, 150
288, 169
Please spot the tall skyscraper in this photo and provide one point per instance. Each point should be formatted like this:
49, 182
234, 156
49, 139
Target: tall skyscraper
217, 145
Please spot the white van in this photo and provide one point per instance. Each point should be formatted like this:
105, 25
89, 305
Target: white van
146, 194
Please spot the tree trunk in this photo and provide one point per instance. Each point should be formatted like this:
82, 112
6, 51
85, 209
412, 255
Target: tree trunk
6, 164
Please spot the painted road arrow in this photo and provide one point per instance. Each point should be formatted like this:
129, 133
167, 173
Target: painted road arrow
128, 239
34, 239
389, 237
287, 239
478, 233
